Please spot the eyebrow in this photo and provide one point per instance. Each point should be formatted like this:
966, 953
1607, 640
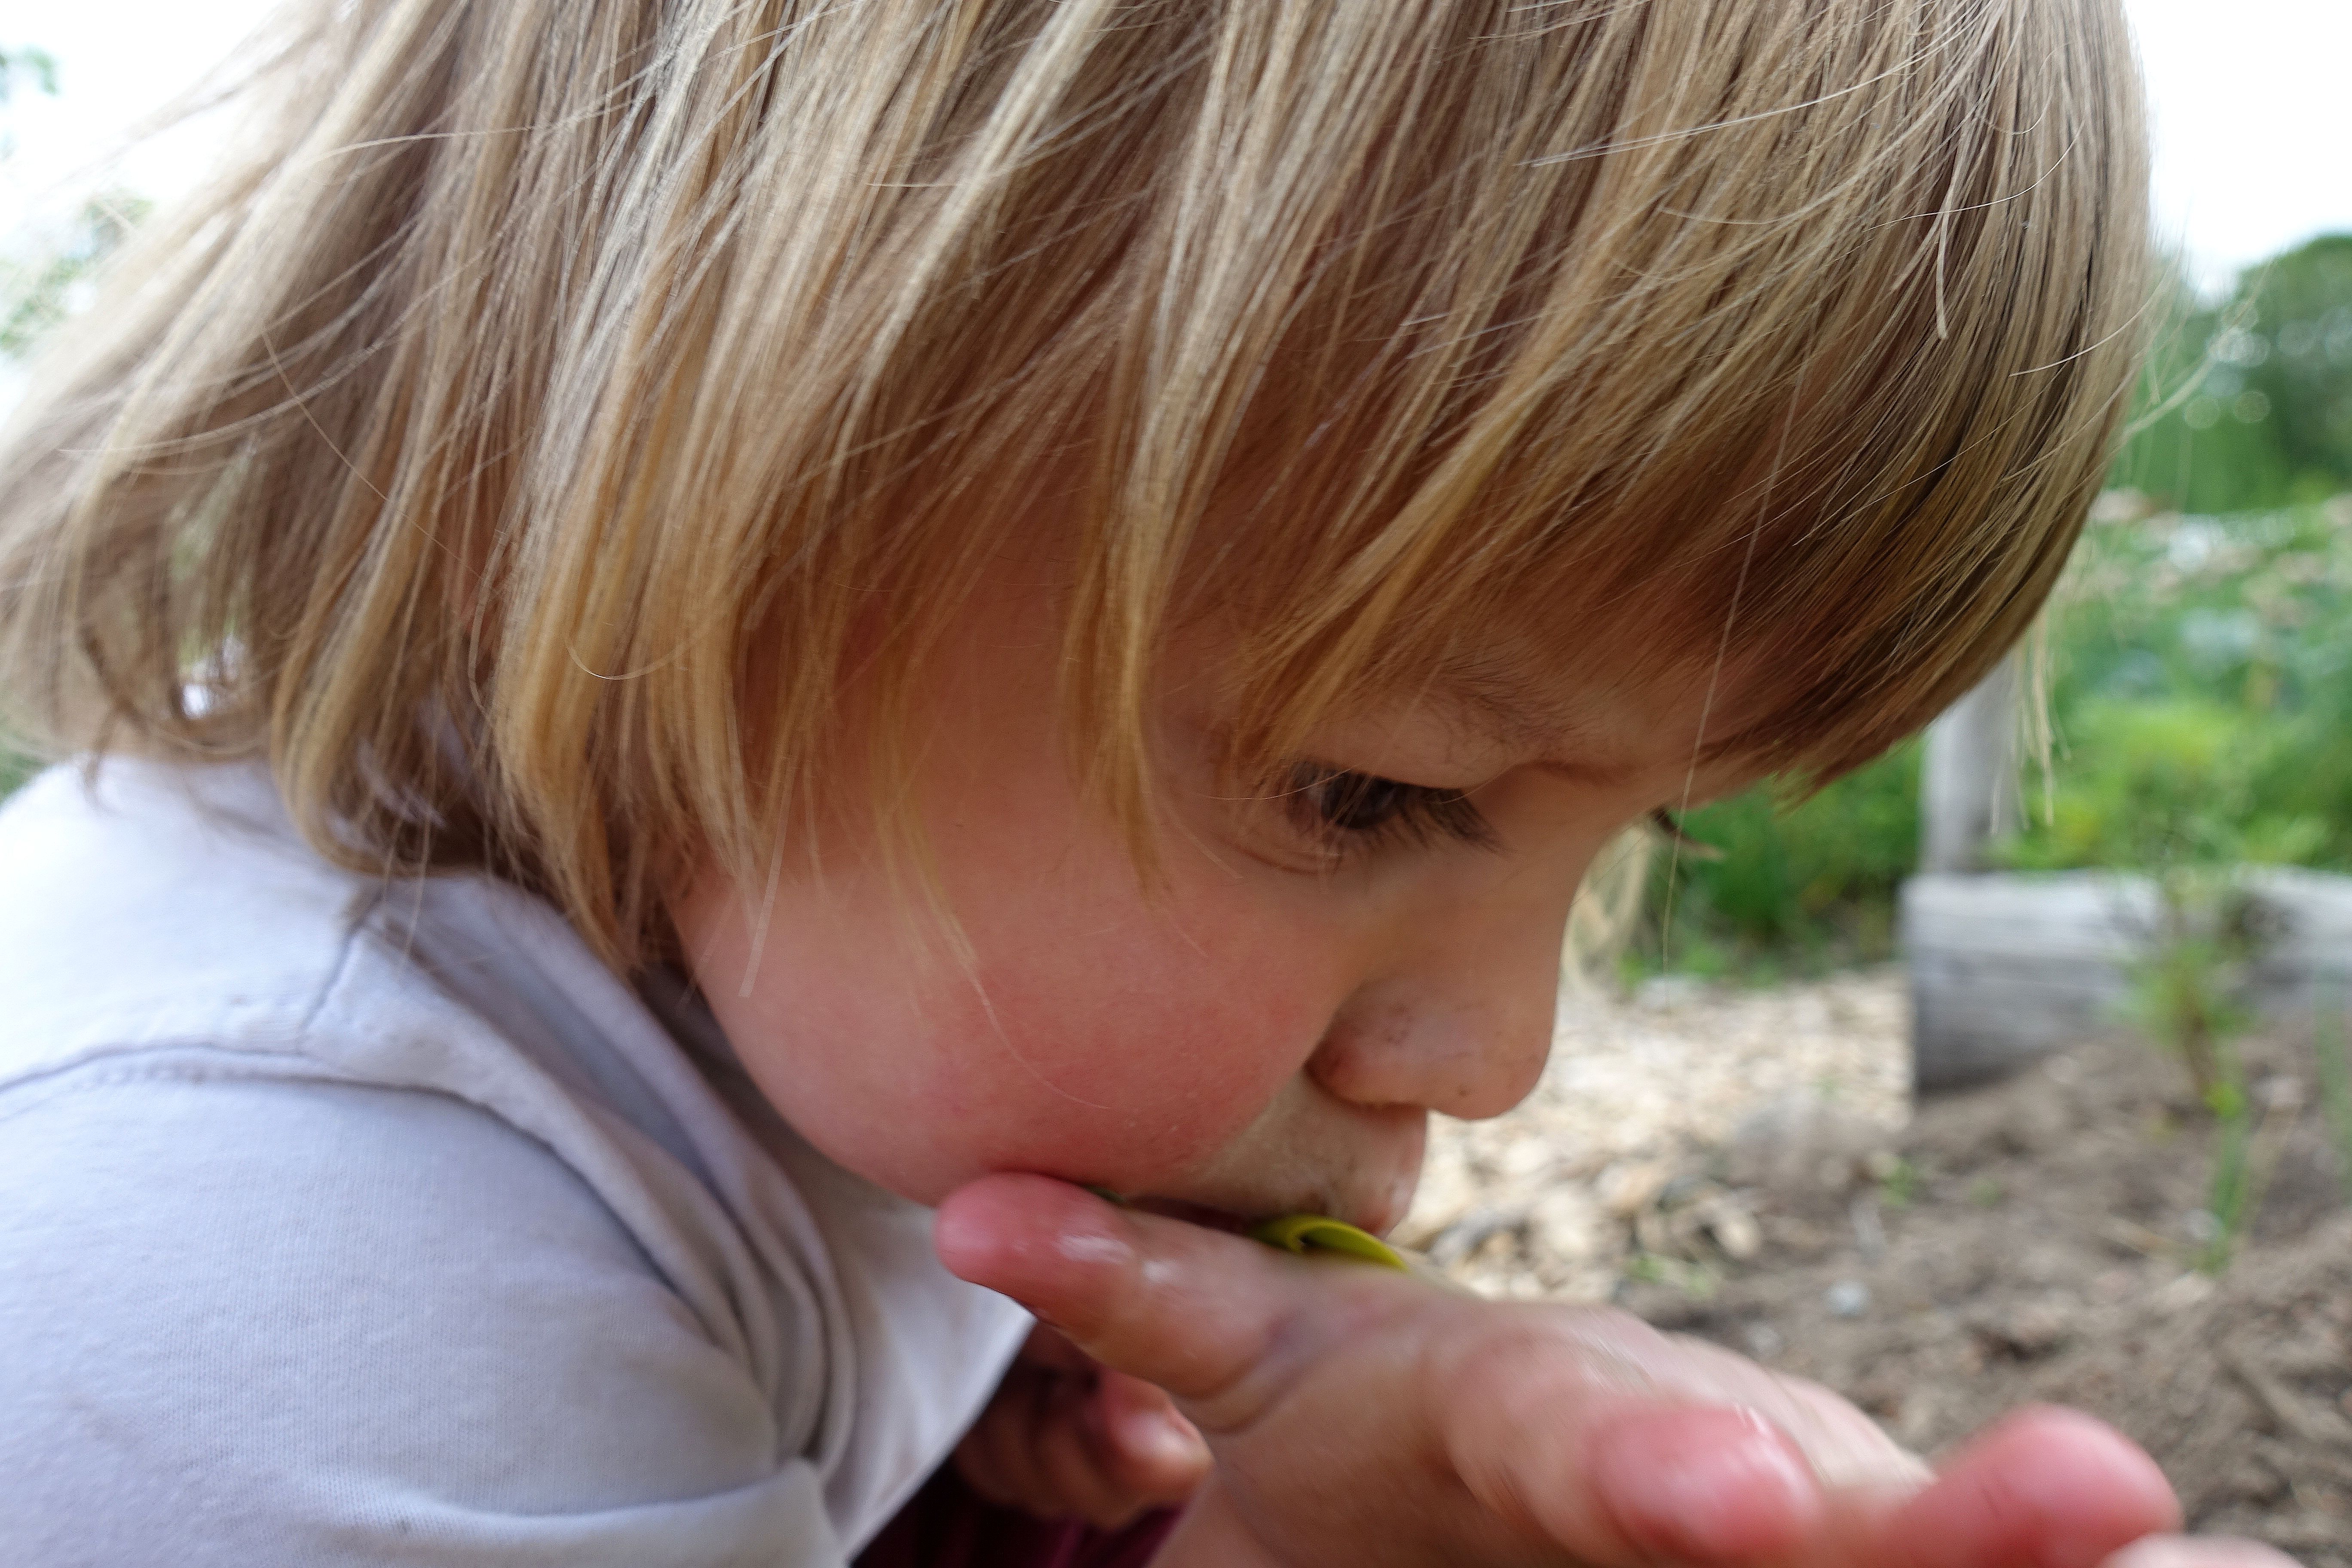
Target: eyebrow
1509, 706
1520, 714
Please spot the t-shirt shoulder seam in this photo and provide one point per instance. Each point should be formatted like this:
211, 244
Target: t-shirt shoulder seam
120, 1036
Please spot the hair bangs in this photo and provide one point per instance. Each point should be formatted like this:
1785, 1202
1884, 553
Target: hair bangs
1839, 432
570, 414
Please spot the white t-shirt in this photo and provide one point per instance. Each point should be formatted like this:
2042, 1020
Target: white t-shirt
347, 1222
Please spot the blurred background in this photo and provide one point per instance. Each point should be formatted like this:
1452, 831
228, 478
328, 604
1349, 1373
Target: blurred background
2198, 645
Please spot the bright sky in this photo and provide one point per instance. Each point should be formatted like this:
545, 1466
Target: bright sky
2254, 148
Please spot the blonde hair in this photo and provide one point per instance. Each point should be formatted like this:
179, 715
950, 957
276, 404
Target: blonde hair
565, 401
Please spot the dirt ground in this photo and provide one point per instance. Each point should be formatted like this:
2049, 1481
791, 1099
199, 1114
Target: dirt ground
2035, 1240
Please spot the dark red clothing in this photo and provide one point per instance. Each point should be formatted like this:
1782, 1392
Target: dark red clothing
948, 1525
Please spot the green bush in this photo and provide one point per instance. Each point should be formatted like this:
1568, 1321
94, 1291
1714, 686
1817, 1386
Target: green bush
2200, 702
2200, 696
1798, 884
2167, 783
2248, 400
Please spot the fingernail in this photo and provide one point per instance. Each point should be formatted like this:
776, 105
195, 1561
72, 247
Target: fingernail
1150, 1435
1712, 1484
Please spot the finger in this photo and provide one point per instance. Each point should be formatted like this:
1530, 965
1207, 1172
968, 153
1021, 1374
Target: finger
1576, 1430
2046, 1488
1190, 1310
1151, 1452
996, 1457
1076, 1461
1607, 1437
1034, 1451
1039, 1448
2192, 1552
1049, 1447
1148, 1449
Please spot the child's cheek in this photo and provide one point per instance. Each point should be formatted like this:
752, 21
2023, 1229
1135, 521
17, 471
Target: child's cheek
1130, 1064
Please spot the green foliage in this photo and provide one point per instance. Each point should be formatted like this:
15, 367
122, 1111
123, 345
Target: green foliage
37, 64
18, 65
2304, 304
39, 281
2203, 696
37, 288
1801, 882
2184, 995
2248, 401
2201, 701
1696, 1282
2170, 781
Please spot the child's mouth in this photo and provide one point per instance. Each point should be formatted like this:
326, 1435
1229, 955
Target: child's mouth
1200, 1214
1304, 1234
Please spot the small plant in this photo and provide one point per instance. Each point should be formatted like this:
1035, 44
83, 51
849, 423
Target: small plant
2173, 793
2184, 986
2185, 997
2187, 983
1900, 1186
1696, 1282
2234, 1192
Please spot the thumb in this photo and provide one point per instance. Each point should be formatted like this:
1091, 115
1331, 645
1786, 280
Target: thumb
1196, 1312
2052, 1488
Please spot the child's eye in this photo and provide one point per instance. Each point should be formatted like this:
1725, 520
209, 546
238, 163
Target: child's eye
1345, 811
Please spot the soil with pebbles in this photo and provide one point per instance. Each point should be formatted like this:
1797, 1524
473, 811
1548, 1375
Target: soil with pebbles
1540, 1202
1740, 1167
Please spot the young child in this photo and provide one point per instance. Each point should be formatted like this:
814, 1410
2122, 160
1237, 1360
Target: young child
699, 627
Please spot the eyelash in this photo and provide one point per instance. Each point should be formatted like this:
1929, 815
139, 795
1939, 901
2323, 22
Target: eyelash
1350, 812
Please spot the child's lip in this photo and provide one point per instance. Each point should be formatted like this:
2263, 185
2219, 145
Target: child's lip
1210, 1218
1191, 1213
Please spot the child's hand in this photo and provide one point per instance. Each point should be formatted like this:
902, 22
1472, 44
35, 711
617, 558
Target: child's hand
1064, 1435
1357, 1416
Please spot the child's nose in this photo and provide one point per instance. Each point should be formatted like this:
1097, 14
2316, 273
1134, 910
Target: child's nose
1459, 1020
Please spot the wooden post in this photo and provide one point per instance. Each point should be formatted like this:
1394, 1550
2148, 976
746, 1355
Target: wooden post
1968, 778
1974, 1015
